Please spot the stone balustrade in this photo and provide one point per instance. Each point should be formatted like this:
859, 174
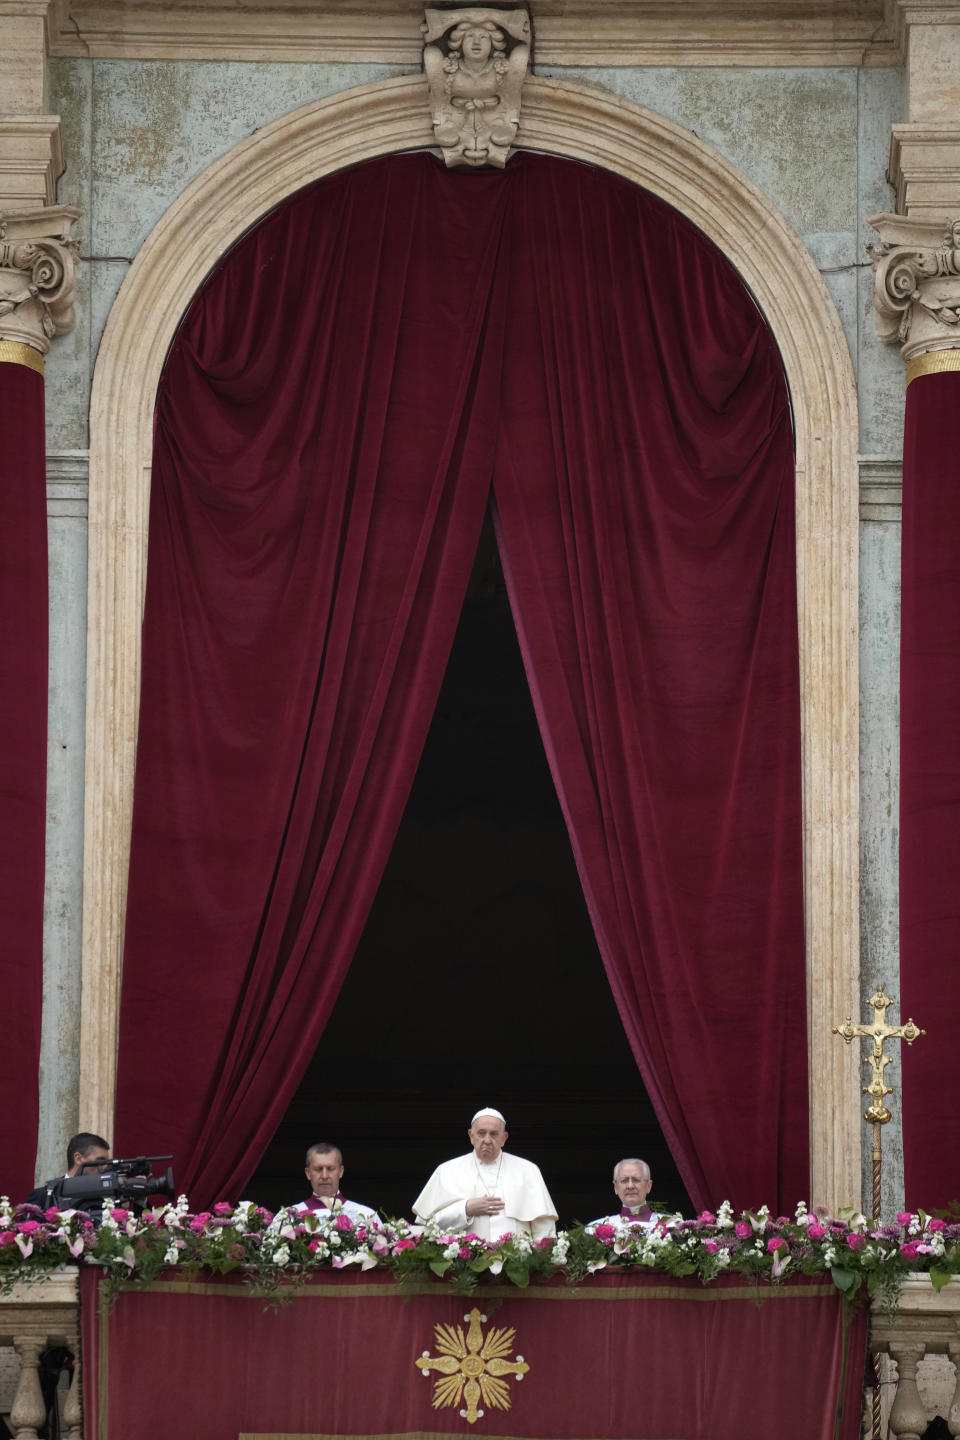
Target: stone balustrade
33, 1318
923, 1341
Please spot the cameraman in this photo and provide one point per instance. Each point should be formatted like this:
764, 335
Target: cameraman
83, 1150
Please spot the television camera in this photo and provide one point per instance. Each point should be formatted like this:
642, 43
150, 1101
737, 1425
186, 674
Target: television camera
130, 1183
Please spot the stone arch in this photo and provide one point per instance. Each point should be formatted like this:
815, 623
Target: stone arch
579, 122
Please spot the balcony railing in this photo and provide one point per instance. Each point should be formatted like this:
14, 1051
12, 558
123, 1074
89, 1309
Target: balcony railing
920, 1346
35, 1317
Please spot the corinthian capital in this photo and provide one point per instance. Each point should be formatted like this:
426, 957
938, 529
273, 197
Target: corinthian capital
37, 275
917, 283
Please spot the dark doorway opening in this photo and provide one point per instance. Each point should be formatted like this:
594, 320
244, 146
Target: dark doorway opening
477, 980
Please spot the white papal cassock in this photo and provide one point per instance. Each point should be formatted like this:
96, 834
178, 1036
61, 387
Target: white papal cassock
518, 1183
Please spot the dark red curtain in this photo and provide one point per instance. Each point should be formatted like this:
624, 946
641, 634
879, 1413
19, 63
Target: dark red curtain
327, 429
23, 750
322, 463
644, 487
930, 783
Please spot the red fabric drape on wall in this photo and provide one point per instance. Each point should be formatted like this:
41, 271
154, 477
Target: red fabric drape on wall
23, 757
636, 1356
325, 443
644, 486
930, 782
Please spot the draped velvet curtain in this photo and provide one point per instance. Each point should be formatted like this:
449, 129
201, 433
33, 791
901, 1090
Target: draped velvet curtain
344, 393
23, 749
930, 781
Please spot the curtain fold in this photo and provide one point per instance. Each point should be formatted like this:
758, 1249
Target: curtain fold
930, 781
323, 456
339, 399
23, 748
644, 491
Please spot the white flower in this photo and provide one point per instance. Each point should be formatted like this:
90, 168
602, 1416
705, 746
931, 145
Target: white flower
281, 1255
561, 1250
182, 1206
171, 1255
451, 1252
725, 1216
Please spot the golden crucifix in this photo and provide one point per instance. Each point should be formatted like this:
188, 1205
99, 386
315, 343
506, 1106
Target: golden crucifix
876, 1112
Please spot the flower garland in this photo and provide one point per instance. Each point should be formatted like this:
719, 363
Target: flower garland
277, 1252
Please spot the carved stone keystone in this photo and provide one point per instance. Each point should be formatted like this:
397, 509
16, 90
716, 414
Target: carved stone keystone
475, 61
38, 281
917, 283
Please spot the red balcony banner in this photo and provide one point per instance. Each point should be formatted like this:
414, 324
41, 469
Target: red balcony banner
622, 1357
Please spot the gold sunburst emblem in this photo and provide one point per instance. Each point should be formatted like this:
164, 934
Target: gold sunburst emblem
471, 1366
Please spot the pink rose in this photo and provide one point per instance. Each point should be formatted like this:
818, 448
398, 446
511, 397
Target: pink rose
120, 1215
909, 1249
53, 1214
706, 1217
343, 1222
7, 1237
743, 1230
464, 1252
604, 1232
222, 1208
313, 1245
29, 1227
404, 1245
856, 1242
815, 1231
936, 1224
904, 1217
777, 1243
711, 1245
472, 1236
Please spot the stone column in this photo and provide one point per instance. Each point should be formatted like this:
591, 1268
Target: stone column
37, 287
917, 298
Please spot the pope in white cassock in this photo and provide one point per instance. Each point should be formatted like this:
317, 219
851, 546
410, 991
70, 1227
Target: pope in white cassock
488, 1191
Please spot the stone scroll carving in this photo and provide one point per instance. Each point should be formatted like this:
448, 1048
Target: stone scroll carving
38, 282
475, 61
917, 283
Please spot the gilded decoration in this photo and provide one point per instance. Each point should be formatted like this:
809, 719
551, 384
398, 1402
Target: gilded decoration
917, 283
475, 61
472, 1366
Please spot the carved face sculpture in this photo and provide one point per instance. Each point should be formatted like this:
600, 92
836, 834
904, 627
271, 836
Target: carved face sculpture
477, 45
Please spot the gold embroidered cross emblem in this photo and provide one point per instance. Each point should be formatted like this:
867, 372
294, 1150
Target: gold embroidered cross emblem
471, 1366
